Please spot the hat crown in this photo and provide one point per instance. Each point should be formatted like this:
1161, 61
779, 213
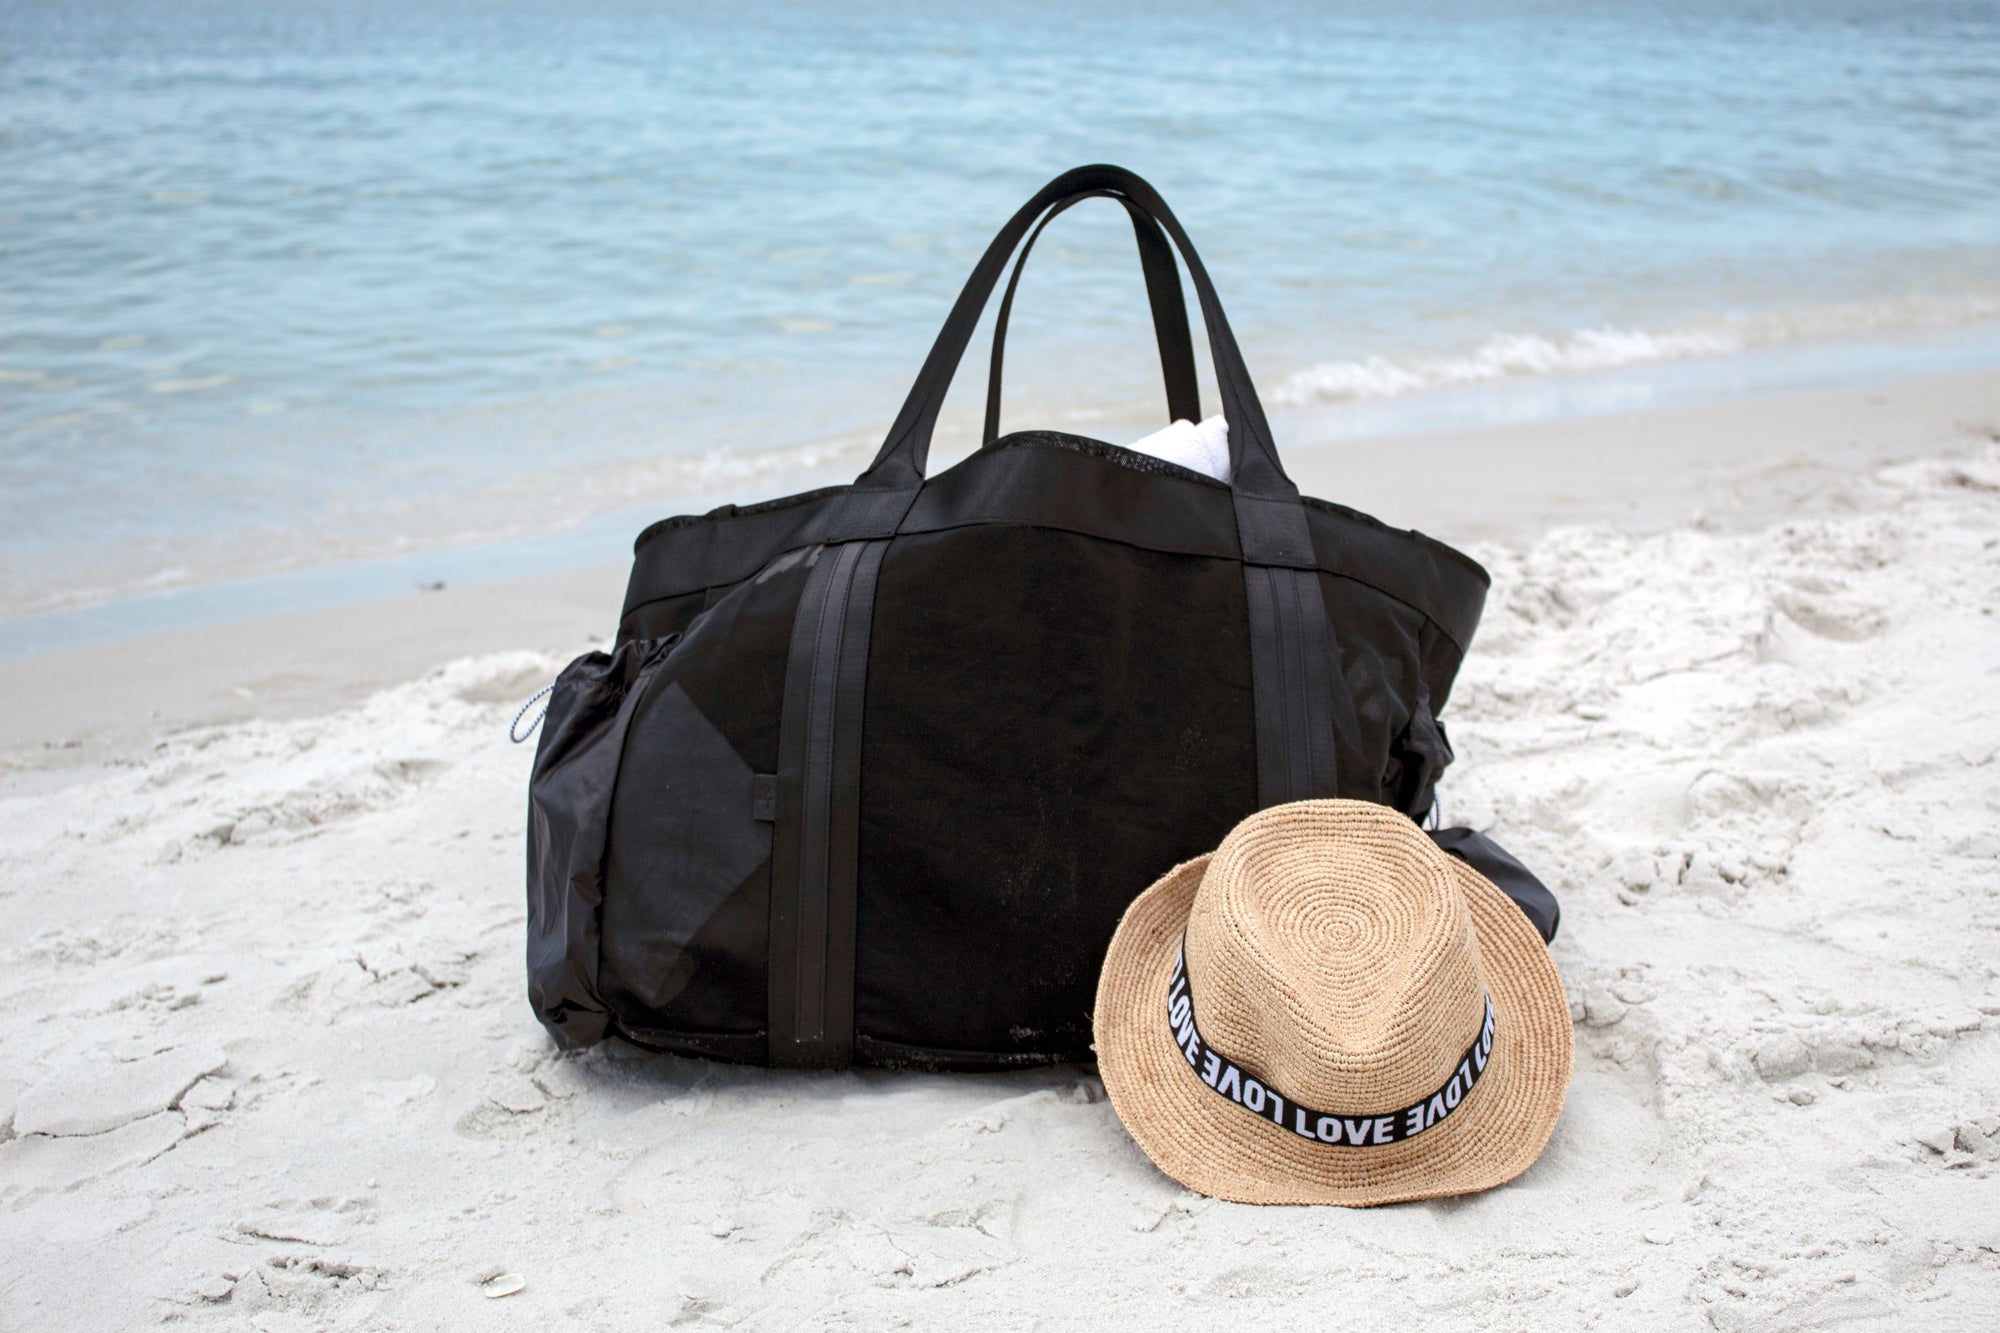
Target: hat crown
1331, 950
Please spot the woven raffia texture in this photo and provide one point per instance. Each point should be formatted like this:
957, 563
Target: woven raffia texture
1335, 952
1326, 953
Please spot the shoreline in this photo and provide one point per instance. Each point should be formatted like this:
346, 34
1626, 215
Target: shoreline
1727, 466
322, 569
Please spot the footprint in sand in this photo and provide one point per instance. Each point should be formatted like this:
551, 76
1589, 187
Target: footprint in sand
94, 1096
378, 981
100, 1115
530, 1096
315, 1287
1838, 1045
1971, 1146
325, 1221
1831, 612
308, 811
34, 1164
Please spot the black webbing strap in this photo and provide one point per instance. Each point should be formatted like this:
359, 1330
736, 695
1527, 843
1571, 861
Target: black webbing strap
815, 846
1163, 293
1270, 520
1293, 666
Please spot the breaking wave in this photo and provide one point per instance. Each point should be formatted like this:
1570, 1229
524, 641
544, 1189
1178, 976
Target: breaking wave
1509, 356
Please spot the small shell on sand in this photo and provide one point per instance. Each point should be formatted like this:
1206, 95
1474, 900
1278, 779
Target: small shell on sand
504, 1285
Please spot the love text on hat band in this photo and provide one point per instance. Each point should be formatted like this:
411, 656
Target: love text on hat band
1375, 1129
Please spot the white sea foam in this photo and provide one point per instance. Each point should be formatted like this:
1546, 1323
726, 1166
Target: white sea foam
1518, 355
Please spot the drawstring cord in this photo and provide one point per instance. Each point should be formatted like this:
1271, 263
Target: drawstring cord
520, 737
514, 732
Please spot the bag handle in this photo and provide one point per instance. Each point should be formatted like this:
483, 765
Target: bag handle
1271, 527
1294, 656
1163, 292
900, 463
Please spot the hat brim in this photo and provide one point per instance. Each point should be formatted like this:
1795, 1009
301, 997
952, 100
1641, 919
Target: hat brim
1215, 1147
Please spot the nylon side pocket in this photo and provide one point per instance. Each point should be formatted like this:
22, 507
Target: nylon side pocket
569, 812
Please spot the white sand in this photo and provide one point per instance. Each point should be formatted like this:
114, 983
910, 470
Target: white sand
267, 1062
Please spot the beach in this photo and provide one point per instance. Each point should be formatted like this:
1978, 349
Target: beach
266, 1060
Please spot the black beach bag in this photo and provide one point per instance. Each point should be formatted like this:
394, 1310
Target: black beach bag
872, 772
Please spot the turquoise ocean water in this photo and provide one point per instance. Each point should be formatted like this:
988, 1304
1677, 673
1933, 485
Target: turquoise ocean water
283, 286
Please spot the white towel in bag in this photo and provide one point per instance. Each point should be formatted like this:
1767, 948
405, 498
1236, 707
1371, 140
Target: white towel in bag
1203, 448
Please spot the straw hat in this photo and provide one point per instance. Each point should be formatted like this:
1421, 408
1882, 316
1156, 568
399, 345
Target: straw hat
1329, 1009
